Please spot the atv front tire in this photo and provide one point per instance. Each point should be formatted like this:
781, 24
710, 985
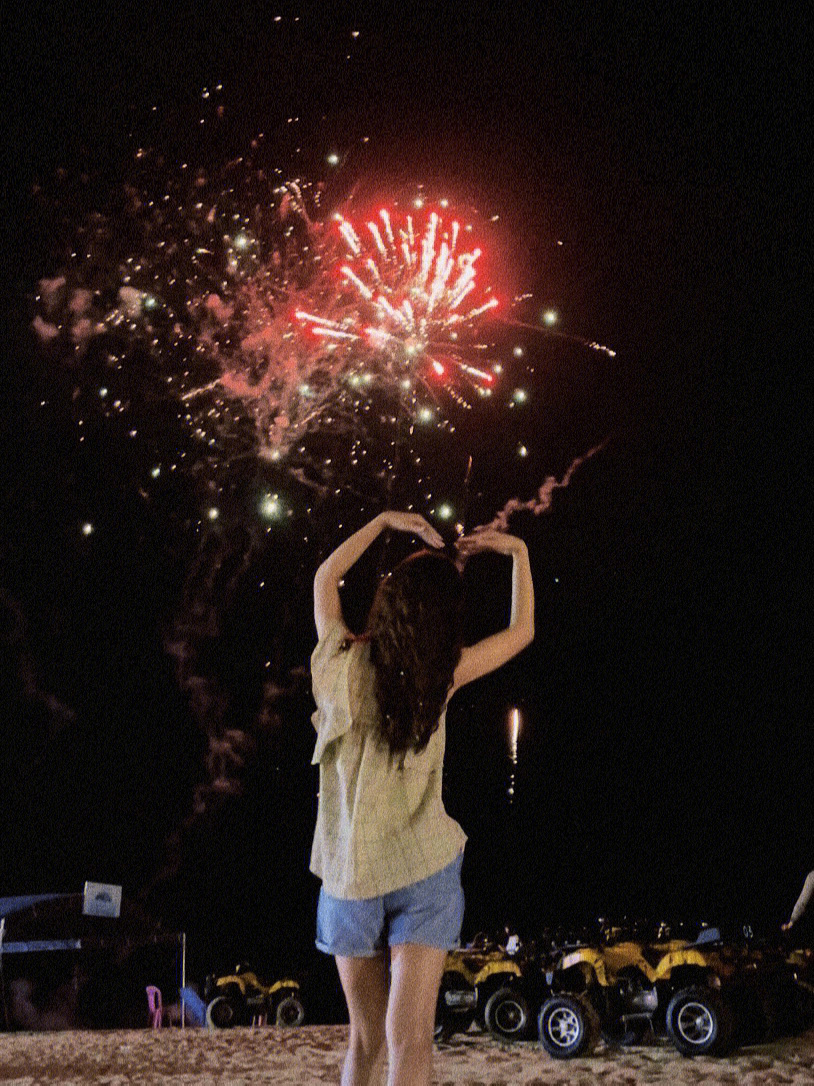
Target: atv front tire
222, 1013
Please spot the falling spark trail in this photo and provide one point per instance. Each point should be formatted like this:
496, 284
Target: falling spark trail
514, 732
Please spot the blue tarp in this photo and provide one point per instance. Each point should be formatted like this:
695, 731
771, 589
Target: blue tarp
10, 905
35, 945
194, 1006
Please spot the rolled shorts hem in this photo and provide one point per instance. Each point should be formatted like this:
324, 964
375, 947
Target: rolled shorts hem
398, 942
356, 954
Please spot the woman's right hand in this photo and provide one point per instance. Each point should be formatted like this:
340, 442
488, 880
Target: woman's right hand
491, 652
414, 524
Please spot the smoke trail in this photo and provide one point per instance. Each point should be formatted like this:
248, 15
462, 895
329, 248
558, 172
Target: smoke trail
542, 502
22, 698
232, 667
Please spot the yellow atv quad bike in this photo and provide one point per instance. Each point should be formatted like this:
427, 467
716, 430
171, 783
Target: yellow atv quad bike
235, 999
471, 976
482, 981
697, 992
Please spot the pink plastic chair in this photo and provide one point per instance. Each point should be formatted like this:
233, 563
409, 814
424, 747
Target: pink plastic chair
156, 1006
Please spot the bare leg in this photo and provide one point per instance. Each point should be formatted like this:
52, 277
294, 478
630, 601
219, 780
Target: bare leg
364, 982
415, 977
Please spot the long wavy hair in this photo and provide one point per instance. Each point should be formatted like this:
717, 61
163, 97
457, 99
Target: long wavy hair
414, 629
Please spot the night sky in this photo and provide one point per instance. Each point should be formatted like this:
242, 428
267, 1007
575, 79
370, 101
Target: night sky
647, 173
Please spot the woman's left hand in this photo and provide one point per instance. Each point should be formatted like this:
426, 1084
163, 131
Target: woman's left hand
413, 523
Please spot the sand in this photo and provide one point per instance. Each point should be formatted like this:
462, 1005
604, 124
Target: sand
313, 1054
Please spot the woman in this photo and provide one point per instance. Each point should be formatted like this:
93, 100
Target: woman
388, 854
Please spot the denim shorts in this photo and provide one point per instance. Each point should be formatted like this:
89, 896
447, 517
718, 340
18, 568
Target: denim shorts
429, 912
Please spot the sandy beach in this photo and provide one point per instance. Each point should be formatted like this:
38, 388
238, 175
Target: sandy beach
313, 1054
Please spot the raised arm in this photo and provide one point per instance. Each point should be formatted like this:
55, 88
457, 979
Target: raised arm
802, 902
327, 605
488, 655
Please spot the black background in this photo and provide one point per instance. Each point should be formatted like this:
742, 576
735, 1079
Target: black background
665, 759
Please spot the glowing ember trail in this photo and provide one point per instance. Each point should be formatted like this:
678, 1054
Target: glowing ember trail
542, 502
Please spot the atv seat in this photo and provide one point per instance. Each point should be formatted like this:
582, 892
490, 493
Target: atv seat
708, 935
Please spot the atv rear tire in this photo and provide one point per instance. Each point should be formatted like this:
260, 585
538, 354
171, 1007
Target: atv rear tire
699, 1022
507, 1014
568, 1026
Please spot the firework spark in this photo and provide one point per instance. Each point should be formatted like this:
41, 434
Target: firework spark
404, 285
281, 352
